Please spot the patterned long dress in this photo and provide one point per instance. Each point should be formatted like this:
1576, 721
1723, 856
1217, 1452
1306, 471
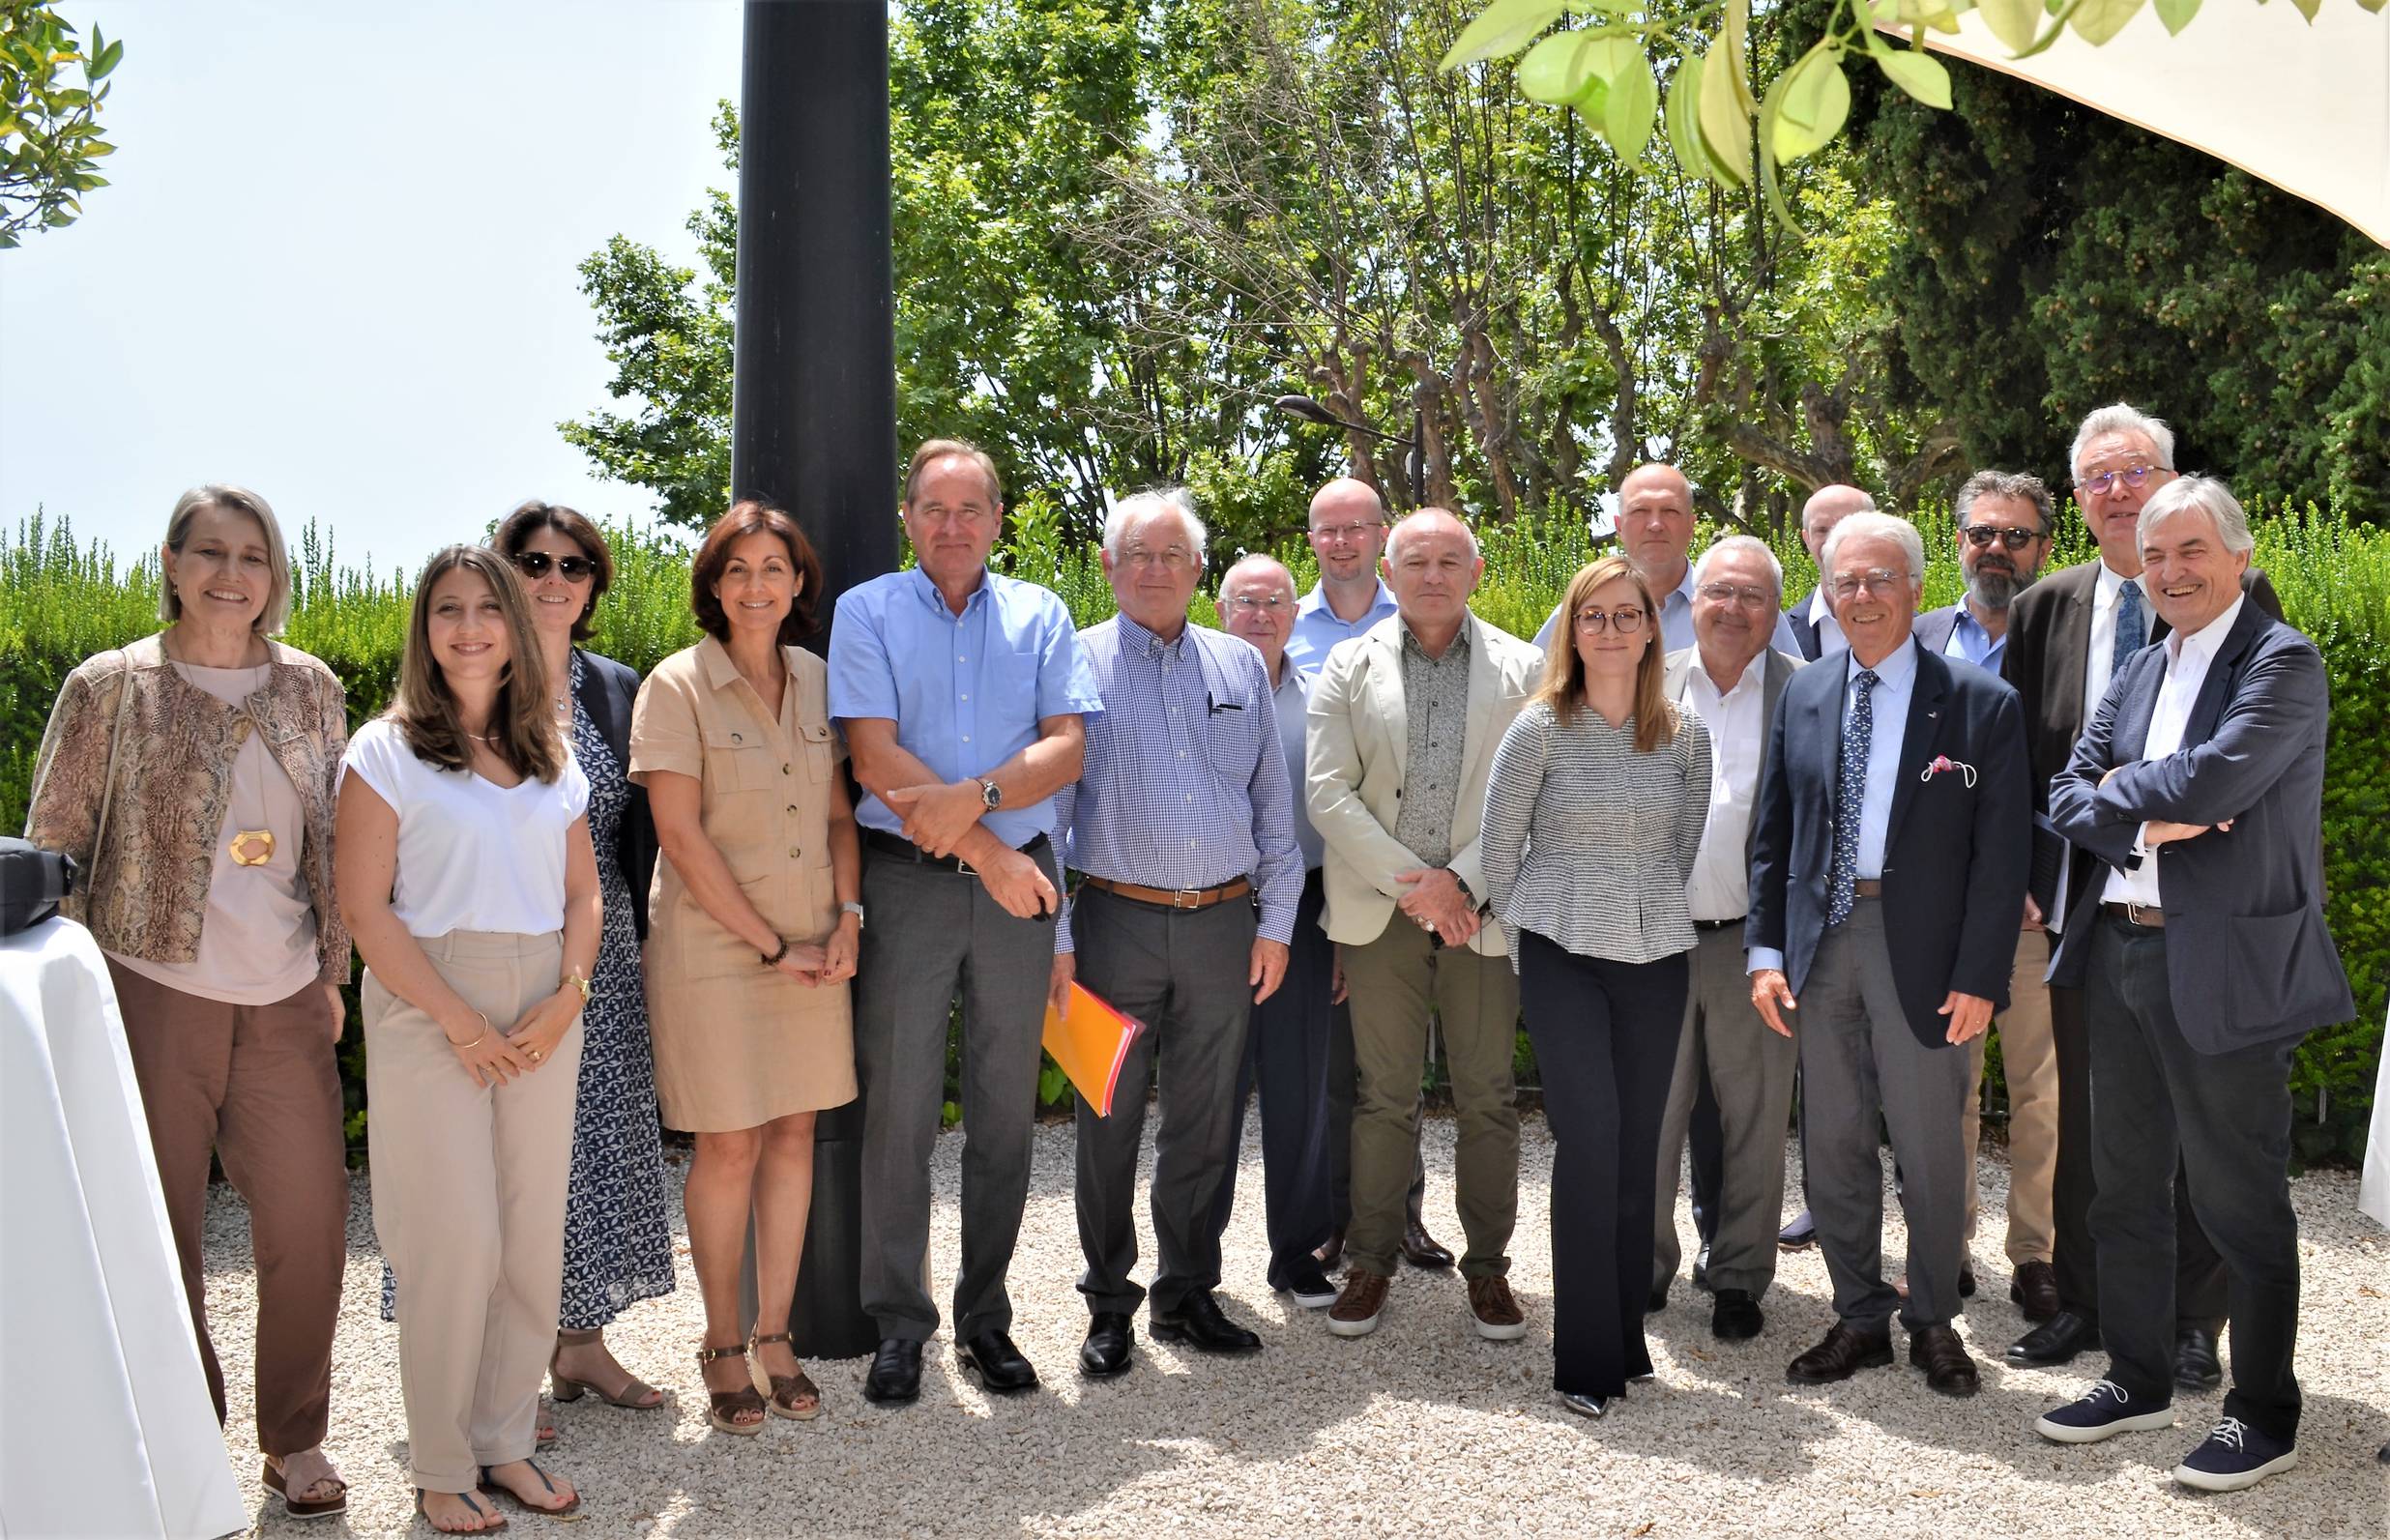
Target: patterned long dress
618, 1225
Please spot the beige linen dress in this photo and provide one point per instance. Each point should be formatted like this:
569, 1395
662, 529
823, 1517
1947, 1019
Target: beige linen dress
738, 1043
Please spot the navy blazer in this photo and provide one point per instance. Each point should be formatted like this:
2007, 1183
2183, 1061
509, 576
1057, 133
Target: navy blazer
1955, 855
2247, 957
608, 692
1804, 630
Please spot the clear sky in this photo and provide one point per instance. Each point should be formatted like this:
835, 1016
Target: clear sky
336, 263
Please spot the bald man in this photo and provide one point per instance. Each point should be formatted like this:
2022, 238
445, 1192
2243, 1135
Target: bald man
1654, 527
1813, 622
1348, 536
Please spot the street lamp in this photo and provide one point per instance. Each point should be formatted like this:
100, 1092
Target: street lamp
1311, 411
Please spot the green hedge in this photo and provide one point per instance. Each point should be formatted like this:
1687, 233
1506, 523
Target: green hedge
60, 602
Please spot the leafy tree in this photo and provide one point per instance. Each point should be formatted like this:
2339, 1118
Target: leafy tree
49, 128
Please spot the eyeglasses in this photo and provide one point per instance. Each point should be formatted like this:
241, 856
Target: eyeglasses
2101, 485
1627, 622
1877, 578
1980, 536
1170, 558
573, 569
1735, 593
1250, 602
1336, 532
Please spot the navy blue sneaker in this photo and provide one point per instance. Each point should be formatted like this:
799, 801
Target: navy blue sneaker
2236, 1456
2106, 1411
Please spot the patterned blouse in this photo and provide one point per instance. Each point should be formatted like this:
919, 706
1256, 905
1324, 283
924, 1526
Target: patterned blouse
1590, 844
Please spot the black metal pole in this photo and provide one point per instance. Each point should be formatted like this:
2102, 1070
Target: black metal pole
813, 424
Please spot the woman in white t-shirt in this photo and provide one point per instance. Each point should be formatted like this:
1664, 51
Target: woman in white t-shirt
468, 880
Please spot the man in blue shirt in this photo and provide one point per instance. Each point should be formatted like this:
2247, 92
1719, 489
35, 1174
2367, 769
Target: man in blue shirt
1347, 534
960, 693
1183, 824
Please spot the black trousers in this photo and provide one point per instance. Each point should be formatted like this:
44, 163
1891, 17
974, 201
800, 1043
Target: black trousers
2225, 1118
1605, 1036
1286, 1059
2199, 1271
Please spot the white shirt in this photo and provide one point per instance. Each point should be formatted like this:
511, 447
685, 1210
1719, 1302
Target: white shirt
1720, 888
2186, 669
471, 854
1830, 638
2102, 662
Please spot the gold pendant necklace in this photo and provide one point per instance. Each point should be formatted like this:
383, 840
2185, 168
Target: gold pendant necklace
251, 847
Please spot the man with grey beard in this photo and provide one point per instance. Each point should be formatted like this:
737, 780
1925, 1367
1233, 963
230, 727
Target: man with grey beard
2004, 533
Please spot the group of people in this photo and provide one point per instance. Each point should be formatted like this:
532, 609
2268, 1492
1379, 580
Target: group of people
1713, 880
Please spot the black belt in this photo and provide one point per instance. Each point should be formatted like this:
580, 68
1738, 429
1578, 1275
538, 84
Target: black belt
1719, 924
903, 849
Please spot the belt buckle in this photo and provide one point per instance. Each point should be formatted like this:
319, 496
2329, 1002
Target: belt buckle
2133, 912
964, 868
1186, 898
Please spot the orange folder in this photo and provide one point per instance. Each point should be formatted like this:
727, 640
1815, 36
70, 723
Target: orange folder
1090, 1040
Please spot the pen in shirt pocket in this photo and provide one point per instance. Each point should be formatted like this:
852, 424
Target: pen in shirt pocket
1213, 706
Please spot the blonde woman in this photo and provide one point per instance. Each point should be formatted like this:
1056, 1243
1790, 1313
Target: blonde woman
1594, 813
468, 878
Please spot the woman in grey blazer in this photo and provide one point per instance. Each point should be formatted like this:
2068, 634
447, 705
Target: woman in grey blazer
1594, 812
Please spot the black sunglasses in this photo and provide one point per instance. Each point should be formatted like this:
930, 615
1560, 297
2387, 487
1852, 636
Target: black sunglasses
1980, 536
535, 564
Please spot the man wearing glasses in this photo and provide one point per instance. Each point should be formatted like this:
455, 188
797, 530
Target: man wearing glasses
2067, 636
1890, 864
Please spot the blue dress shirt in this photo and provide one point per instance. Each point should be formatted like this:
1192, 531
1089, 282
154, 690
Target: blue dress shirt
1970, 641
1896, 683
1293, 702
965, 691
1185, 784
1316, 628
1676, 621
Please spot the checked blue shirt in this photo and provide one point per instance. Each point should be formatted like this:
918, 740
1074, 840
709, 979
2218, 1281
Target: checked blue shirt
1185, 784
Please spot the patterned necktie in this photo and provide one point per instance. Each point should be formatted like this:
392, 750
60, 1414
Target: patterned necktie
1849, 792
2132, 627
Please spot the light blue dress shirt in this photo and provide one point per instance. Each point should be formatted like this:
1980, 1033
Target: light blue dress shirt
1293, 702
1896, 685
1676, 621
1185, 784
1316, 628
965, 691
1970, 641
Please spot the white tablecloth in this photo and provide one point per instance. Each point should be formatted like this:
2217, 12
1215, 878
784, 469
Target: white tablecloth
105, 1427
2373, 1195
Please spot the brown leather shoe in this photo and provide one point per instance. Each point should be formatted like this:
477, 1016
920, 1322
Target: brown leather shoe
1937, 1350
1499, 1318
1843, 1353
1356, 1310
2036, 1289
1421, 1249
1331, 1250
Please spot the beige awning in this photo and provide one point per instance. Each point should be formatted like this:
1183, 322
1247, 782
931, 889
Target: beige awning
2305, 106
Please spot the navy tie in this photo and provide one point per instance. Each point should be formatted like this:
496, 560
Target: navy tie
2132, 627
1849, 792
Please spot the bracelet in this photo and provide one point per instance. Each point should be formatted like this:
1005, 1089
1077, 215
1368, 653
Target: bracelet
772, 959
477, 1042
580, 981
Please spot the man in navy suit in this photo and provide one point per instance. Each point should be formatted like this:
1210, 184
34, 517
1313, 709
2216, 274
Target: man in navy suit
1890, 868
2199, 788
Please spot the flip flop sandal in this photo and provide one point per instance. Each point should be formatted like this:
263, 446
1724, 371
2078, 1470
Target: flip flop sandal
521, 1501
466, 1498
724, 1403
305, 1507
792, 1396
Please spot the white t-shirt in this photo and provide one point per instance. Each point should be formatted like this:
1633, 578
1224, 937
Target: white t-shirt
471, 854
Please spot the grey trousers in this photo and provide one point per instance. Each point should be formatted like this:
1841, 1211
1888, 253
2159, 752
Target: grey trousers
1859, 1060
933, 933
1750, 1072
1182, 973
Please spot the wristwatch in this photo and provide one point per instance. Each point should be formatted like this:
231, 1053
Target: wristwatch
850, 907
1463, 885
580, 981
991, 795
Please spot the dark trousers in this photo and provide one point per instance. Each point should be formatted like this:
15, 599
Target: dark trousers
2225, 1118
1605, 1036
1286, 1059
2199, 1271
1183, 973
1704, 1153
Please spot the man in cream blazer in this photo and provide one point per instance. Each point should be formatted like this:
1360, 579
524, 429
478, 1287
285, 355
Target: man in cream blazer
1403, 725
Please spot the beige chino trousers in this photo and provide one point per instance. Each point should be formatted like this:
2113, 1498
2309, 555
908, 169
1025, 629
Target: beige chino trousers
469, 1203
2029, 1059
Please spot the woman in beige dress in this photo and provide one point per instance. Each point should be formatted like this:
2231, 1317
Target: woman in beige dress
753, 928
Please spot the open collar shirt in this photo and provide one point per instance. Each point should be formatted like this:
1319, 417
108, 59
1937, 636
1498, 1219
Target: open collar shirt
1721, 885
1316, 628
2187, 658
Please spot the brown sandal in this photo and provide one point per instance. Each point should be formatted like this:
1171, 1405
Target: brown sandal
631, 1396
794, 1396
723, 1403
303, 1507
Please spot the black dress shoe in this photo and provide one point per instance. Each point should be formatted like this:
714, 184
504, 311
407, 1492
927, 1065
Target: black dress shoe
2035, 1288
2195, 1364
1801, 1233
1331, 1251
896, 1377
1736, 1316
1701, 1266
1966, 1280
1843, 1353
1937, 1350
1421, 1249
1105, 1352
2054, 1341
1000, 1366
1199, 1323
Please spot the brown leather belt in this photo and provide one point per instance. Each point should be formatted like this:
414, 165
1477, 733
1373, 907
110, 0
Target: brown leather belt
2136, 914
1868, 888
1175, 897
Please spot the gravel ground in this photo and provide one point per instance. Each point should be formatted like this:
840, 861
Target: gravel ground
1419, 1426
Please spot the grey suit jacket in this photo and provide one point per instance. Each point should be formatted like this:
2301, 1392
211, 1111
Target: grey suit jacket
1780, 666
2248, 958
